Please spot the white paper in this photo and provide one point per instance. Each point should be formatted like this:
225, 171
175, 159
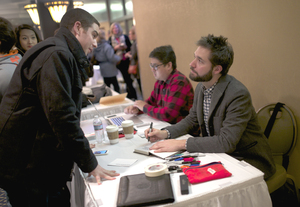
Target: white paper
122, 162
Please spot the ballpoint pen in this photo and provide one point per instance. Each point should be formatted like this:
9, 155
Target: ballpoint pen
150, 130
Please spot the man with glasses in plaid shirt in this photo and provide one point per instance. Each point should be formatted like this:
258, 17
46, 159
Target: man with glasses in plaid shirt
173, 94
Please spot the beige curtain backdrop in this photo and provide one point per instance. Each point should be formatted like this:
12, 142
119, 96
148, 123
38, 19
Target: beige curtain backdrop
265, 35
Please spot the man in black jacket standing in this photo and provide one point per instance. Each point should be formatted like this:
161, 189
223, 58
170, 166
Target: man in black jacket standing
40, 134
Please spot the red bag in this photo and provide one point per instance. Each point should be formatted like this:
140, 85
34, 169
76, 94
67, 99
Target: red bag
203, 173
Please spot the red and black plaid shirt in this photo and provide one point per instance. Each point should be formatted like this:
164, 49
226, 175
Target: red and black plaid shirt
171, 100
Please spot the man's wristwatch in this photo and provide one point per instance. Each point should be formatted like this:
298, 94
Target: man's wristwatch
169, 135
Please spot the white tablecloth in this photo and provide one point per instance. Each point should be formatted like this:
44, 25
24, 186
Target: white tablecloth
245, 187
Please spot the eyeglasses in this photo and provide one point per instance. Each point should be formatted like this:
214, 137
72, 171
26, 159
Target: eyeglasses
155, 67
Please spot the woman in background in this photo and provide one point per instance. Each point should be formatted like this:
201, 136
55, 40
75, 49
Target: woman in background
27, 37
133, 56
121, 44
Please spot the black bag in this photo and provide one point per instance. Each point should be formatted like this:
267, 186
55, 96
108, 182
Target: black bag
140, 190
98, 92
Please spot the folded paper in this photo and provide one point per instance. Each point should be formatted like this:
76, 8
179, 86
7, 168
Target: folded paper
113, 99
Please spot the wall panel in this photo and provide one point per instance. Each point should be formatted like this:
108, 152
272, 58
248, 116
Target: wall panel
264, 34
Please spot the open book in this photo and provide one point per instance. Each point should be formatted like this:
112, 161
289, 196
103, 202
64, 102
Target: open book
144, 149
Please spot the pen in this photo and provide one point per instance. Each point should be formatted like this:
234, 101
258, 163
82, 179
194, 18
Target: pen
150, 130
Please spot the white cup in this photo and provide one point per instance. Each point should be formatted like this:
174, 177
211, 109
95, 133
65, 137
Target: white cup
128, 129
113, 134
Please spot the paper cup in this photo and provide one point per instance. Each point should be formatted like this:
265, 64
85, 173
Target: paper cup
128, 129
113, 134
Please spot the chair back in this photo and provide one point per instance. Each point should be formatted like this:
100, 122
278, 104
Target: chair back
283, 135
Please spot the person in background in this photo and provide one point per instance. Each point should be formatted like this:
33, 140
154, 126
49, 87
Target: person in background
108, 34
104, 54
27, 37
9, 59
40, 134
172, 96
121, 44
133, 56
222, 109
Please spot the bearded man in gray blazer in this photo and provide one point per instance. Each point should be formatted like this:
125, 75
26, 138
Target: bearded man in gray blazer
222, 110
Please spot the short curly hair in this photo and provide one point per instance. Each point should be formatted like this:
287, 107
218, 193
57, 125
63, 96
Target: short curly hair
221, 51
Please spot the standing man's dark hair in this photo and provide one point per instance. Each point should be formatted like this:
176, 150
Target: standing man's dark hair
7, 36
221, 51
164, 54
73, 15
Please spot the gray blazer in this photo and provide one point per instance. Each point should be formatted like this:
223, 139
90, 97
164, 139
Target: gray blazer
233, 126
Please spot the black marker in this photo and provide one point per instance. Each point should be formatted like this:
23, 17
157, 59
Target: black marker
150, 130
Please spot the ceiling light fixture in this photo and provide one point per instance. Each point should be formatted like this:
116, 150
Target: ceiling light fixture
77, 4
33, 13
57, 9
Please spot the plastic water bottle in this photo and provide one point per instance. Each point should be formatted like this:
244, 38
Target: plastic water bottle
105, 137
99, 132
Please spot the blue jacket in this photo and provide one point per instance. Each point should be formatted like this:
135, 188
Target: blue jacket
107, 59
40, 134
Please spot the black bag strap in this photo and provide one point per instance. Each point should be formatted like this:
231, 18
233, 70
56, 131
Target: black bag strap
285, 157
272, 119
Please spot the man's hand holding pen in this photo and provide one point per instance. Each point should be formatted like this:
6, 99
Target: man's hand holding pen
155, 135
169, 145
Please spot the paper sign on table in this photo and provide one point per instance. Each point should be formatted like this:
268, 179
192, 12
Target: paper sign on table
123, 162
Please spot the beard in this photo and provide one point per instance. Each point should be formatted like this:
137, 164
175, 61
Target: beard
205, 78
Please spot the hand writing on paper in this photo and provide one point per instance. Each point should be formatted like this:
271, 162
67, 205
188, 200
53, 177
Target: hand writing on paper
169, 145
99, 172
155, 134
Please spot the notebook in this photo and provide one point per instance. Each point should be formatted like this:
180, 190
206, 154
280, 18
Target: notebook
144, 149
